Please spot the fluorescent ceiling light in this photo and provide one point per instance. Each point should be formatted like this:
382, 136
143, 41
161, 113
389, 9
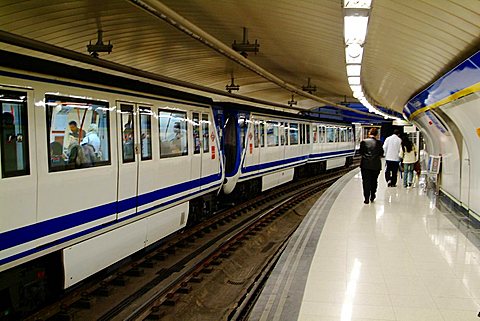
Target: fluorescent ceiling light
354, 80
355, 29
358, 95
353, 54
353, 70
357, 4
356, 88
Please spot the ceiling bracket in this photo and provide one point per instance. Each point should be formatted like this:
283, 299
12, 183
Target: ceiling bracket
99, 46
245, 46
309, 88
292, 102
232, 86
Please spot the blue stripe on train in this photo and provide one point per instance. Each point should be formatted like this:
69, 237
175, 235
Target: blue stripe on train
293, 160
41, 229
93, 229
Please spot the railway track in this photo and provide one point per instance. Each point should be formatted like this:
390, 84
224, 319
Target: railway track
153, 283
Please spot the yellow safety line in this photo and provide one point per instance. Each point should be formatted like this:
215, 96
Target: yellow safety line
455, 96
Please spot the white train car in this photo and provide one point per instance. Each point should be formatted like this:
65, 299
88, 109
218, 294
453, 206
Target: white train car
95, 167
97, 172
268, 149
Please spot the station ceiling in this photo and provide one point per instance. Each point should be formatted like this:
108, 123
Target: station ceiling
409, 43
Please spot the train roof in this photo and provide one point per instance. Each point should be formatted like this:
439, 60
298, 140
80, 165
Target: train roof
46, 67
278, 113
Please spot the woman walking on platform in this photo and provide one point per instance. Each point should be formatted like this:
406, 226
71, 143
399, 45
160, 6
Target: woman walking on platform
409, 156
370, 164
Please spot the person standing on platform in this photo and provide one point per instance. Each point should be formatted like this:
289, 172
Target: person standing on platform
371, 151
409, 155
392, 147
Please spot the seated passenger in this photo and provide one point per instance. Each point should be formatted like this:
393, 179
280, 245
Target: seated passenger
176, 142
92, 138
76, 156
56, 153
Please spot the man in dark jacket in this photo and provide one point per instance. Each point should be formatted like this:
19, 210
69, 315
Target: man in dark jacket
371, 150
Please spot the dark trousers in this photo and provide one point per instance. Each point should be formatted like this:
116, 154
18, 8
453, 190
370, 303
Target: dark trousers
370, 182
391, 172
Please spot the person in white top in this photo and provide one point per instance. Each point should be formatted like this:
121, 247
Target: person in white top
92, 138
408, 153
392, 147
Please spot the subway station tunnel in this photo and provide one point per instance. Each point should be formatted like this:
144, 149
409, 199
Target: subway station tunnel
125, 123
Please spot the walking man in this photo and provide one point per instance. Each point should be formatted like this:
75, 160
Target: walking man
370, 164
392, 147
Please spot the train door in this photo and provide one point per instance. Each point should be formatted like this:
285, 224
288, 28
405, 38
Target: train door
196, 159
135, 148
17, 162
209, 152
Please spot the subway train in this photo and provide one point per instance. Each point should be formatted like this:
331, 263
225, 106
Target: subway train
96, 167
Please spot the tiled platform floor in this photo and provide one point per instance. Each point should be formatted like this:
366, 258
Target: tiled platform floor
398, 258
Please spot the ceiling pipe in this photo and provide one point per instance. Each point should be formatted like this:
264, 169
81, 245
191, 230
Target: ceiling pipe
160, 10
35, 45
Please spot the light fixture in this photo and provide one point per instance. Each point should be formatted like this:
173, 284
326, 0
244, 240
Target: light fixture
353, 70
356, 88
357, 4
356, 17
354, 80
355, 29
354, 53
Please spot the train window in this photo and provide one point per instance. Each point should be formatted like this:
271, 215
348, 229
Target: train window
315, 133
307, 130
173, 133
128, 133
293, 134
285, 129
322, 134
14, 134
196, 133
256, 135
262, 134
330, 134
146, 132
337, 135
205, 133
302, 133
281, 132
272, 134
78, 133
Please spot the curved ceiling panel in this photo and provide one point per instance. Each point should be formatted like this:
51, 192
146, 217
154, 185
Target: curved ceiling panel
409, 43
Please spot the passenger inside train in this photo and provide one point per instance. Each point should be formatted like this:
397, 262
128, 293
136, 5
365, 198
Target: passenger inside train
71, 147
173, 134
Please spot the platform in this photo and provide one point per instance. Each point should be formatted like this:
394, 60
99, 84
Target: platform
399, 258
